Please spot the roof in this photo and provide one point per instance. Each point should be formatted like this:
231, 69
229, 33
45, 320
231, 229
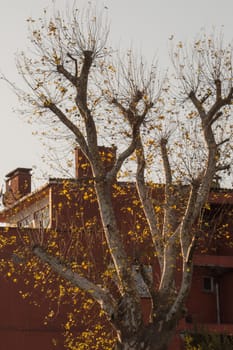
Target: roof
32, 197
216, 196
27, 199
18, 170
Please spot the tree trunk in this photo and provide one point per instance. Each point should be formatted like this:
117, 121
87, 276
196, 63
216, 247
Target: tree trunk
131, 345
150, 338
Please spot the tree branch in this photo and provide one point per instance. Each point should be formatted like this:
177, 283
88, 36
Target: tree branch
205, 97
73, 79
135, 122
215, 113
229, 97
222, 142
183, 291
186, 238
147, 203
75, 63
166, 163
81, 98
148, 106
102, 296
217, 116
69, 124
134, 101
222, 167
120, 160
197, 103
148, 280
210, 169
119, 106
218, 85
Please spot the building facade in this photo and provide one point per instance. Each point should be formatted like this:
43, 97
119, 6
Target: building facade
64, 204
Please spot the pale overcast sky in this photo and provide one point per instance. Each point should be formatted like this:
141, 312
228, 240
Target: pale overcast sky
145, 24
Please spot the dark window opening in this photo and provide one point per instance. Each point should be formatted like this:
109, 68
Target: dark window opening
208, 284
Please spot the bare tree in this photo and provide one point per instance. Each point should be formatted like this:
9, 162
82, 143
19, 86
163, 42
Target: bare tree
74, 81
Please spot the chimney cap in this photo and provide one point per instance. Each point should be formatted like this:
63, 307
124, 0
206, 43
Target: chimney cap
18, 171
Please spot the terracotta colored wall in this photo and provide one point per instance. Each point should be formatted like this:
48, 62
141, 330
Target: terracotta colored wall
22, 324
25, 322
226, 297
201, 304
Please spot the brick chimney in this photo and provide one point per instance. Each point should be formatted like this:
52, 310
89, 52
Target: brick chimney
18, 184
83, 167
